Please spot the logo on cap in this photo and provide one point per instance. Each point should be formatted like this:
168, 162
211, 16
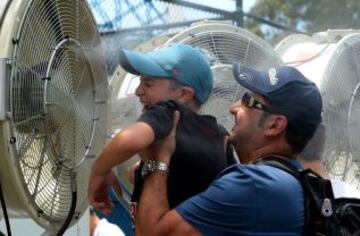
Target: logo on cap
272, 76
243, 76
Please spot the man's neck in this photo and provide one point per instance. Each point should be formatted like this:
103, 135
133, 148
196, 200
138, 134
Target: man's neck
280, 149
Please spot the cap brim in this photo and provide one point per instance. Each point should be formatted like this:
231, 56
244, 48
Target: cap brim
141, 64
251, 79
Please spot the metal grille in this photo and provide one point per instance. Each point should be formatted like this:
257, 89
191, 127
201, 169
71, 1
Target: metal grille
229, 47
225, 44
224, 94
342, 115
58, 104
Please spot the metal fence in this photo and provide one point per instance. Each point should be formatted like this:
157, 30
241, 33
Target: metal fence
125, 24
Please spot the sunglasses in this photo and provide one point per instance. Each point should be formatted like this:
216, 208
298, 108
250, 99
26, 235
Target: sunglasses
250, 102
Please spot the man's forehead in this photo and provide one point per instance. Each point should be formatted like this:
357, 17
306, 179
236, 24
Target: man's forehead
149, 78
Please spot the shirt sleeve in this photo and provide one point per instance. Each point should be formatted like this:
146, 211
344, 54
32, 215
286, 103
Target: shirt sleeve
215, 212
160, 117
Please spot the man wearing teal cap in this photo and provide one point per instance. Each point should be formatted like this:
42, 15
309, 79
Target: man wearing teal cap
176, 77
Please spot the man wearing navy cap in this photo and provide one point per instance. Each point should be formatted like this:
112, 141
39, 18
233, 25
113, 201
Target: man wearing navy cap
277, 117
175, 77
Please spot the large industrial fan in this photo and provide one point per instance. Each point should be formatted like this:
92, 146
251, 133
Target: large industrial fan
53, 108
332, 60
224, 44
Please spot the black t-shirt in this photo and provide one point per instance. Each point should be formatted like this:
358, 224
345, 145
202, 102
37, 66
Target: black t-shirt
199, 156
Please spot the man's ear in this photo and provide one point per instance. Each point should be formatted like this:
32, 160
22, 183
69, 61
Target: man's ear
185, 94
275, 125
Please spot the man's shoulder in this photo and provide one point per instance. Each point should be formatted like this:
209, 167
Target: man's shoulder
189, 117
266, 177
167, 107
243, 192
250, 169
170, 104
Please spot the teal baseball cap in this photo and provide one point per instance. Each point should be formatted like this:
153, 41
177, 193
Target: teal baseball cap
185, 64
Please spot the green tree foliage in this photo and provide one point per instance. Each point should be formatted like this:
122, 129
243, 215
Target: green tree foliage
304, 15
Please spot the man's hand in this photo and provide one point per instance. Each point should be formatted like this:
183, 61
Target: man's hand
163, 150
98, 191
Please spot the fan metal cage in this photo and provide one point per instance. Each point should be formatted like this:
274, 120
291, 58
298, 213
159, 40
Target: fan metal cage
226, 44
57, 107
331, 59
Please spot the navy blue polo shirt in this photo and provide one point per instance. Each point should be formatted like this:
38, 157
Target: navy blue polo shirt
254, 200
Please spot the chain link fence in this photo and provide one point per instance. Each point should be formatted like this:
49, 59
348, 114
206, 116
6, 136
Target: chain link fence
126, 24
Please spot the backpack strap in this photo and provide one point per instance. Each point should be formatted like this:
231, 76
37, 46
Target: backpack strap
312, 198
280, 163
324, 215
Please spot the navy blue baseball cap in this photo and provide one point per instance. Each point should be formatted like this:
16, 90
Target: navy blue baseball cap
187, 65
289, 93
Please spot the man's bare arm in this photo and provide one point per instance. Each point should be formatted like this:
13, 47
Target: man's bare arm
154, 216
123, 146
